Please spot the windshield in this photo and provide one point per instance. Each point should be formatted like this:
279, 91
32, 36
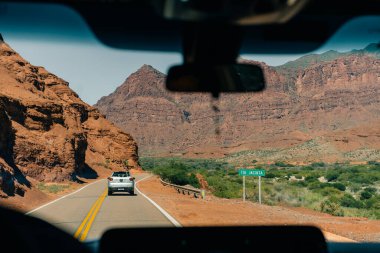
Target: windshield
74, 113
120, 174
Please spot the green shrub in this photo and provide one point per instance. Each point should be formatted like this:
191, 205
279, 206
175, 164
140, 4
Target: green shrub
365, 195
282, 164
193, 180
373, 202
224, 188
51, 188
352, 170
339, 186
318, 185
371, 190
332, 208
332, 176
364, 178
238, 180
318, 164
299, 183
329, 191
177, 173
313, 185
278, 187
349, 201
355, 187
311, 178
232, 172
270, 175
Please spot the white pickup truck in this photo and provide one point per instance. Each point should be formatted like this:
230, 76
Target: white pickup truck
121, 181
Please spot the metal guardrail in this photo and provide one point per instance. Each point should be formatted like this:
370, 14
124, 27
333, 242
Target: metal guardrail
185, 190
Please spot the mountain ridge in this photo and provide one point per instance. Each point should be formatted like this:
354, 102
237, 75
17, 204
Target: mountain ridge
298, 106
304, 61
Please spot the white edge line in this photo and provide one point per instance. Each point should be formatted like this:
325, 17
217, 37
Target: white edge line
166, 214
51, 202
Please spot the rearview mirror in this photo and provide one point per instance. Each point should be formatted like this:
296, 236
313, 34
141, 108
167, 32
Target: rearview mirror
216, 78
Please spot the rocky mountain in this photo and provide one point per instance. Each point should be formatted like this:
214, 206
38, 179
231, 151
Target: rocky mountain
47, 133
319, 107
305, 61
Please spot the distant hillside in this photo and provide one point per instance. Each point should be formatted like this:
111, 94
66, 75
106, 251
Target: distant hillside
319, 107
305, 61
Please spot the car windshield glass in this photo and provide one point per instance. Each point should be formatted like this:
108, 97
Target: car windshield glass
120, 174
74, 113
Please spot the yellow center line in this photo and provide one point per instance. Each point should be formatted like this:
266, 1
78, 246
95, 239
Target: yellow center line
89, 224
92, 213
79, 230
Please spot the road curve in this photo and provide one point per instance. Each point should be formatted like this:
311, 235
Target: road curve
91, 205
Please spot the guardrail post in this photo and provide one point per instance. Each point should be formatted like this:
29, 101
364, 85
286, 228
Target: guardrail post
185, 190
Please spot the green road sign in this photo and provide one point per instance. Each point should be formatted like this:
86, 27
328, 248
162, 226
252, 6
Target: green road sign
252, 173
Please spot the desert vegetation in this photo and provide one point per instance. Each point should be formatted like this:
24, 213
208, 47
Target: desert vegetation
338, 189
52, 188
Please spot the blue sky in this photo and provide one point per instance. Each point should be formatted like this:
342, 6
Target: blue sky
56, 38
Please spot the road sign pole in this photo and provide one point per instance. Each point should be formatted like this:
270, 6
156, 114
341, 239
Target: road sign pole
252, 173
260, 190
243, 188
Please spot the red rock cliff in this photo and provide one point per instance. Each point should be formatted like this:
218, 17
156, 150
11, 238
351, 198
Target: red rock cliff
306, 103
47, 132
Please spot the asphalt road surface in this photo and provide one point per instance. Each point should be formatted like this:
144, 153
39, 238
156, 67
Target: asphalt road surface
89, 212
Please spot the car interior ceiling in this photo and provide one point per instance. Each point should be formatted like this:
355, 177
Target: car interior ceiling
135, 24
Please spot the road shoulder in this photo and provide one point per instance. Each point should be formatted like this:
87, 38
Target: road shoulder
190, 211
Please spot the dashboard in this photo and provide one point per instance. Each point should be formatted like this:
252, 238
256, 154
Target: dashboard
28, 234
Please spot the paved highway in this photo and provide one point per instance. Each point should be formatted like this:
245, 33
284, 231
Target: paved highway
89, 212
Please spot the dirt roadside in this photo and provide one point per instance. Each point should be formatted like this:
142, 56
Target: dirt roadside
213, 211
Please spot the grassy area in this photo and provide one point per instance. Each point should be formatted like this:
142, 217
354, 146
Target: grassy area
181, 171
337, 189
52, 188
